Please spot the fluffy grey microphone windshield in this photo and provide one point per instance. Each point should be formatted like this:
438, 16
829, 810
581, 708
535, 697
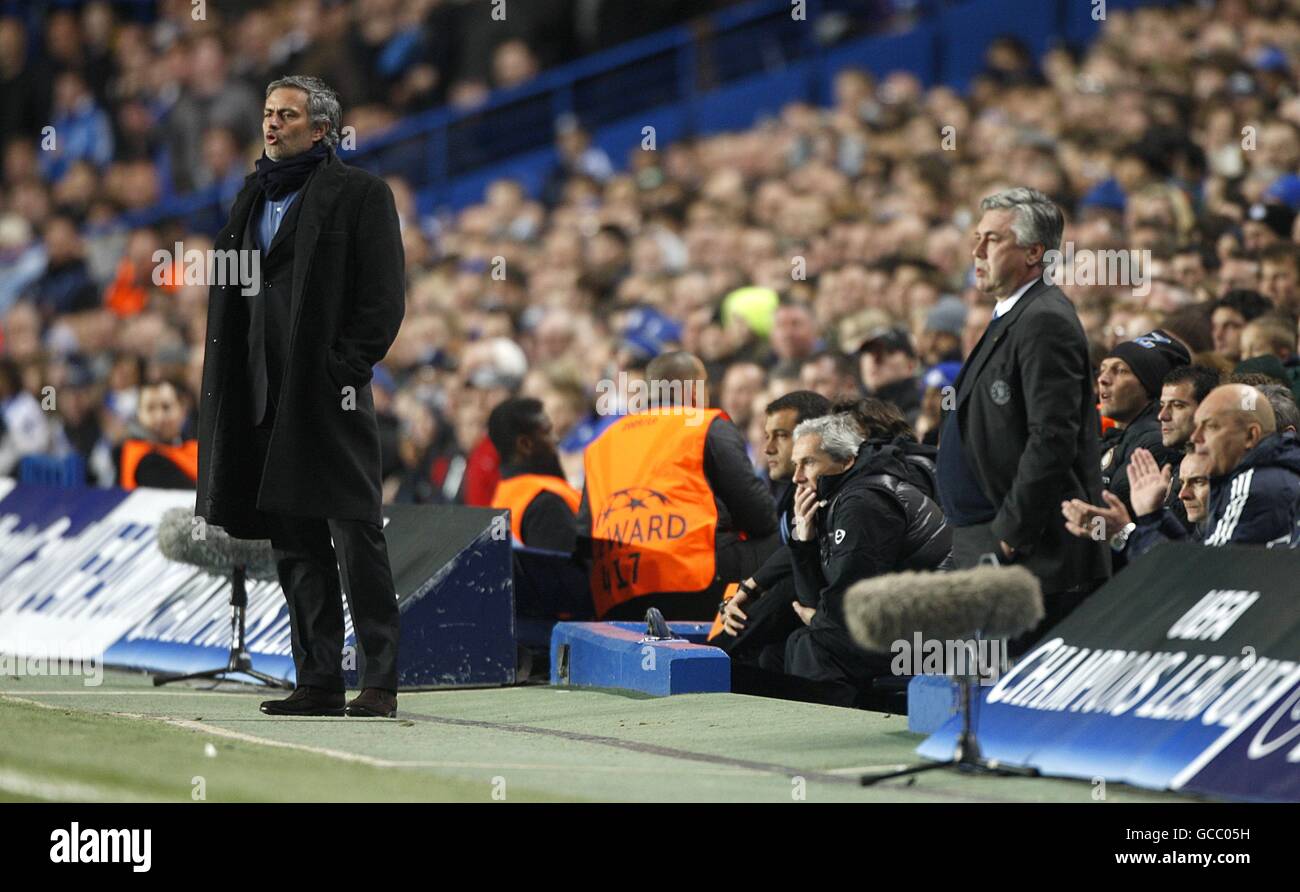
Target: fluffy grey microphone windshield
217, 552
997, 602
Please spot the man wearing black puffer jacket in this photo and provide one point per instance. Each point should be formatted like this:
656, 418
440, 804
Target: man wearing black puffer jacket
759, 617
856, 516
875, 420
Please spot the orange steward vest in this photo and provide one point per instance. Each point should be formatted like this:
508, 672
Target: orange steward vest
184, 456
518, 493
653, 517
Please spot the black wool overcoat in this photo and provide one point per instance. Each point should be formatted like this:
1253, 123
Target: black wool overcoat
348, 297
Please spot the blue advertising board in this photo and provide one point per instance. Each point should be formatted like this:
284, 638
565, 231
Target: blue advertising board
81, 576
1182, 673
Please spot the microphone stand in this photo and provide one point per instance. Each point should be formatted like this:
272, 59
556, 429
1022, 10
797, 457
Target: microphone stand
240, 661
967, 757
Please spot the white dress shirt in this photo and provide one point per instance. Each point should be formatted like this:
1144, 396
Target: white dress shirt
1004, 306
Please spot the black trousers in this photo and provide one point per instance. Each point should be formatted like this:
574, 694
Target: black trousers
777, 655
815, 665
310, 554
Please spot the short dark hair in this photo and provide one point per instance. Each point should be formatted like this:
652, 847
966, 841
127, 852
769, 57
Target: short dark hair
615, 232
1191, 325
844, 366
11, 377
786, 300
1287, 252
878, 419
178, 387
1202, 378
805, 403
1249, 304
512, 419
141, 367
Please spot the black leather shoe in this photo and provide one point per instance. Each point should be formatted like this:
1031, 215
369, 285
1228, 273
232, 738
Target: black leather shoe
374, 703
306, 700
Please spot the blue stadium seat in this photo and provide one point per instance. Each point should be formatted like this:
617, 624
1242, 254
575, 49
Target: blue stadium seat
48, 470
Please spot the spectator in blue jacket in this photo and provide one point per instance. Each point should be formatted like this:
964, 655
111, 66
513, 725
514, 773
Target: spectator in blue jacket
82, 130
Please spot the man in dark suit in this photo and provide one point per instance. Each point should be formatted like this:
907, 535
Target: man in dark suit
1024, 434
288, 442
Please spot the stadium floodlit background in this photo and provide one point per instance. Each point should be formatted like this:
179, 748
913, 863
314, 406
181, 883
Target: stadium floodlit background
522, 139
629, 165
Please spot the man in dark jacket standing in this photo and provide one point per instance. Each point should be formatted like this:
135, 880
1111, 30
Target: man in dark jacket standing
288, 442
1024, 434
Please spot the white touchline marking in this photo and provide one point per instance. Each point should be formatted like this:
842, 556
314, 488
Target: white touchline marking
376, 762
218, 731
64, 791
5, 695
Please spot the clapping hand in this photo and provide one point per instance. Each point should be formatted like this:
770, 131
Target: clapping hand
1081, 517
1148, 482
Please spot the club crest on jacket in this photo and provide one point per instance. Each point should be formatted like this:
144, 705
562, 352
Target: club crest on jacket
1000, 392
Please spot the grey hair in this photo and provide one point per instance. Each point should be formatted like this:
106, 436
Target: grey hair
1038, 221
322, 103
1284, 405
840, 437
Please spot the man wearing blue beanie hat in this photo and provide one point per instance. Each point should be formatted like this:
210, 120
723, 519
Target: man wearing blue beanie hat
1128, 385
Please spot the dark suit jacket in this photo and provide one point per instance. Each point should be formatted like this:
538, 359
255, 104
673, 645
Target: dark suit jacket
1030, 431
268, 308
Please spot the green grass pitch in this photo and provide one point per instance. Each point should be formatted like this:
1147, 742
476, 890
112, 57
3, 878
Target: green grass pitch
126, 740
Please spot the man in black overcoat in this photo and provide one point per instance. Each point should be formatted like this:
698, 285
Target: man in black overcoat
288, 442
1024, 434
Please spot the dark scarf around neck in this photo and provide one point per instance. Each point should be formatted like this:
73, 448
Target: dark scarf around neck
279, 178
